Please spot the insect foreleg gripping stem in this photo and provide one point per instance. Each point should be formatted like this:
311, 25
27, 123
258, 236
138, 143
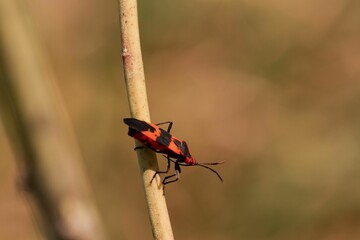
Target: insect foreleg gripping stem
167, 169
139, 147
176, 175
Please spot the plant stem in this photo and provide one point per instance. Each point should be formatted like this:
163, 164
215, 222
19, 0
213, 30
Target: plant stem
54, 175
137, 97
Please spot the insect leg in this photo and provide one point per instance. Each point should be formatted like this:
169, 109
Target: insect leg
139, 147
169, 126
167, 169
176, 175
142, 147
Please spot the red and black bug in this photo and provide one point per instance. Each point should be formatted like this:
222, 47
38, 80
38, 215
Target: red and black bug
161, 141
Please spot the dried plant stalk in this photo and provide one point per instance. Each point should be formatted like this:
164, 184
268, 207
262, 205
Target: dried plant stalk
136, 89
54, 175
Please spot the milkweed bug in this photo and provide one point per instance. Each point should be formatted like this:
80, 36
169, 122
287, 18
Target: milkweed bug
161, 141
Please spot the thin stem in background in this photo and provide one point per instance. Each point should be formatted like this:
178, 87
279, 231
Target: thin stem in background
39, 125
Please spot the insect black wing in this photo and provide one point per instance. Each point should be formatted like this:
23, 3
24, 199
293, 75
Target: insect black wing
138, 125
164, 138
151, 135
185, 149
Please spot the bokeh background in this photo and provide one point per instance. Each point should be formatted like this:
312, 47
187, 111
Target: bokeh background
272, 87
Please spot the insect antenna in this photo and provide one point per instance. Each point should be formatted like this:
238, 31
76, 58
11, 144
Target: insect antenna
201, 165
204, 166
212, 163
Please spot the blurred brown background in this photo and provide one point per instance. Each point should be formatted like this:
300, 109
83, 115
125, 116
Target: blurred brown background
271, 87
